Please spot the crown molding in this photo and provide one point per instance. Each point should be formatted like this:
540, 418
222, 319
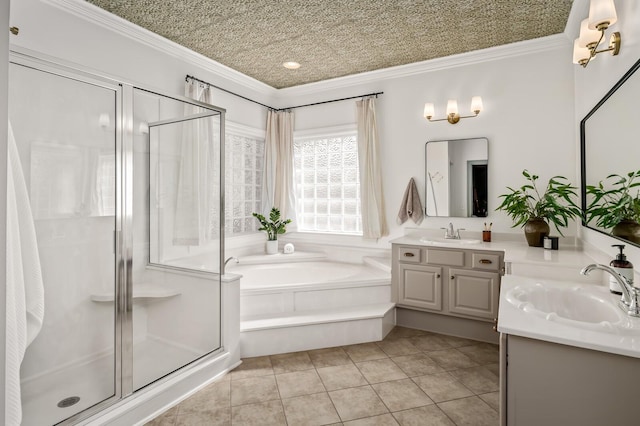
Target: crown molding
101, 17
526, 47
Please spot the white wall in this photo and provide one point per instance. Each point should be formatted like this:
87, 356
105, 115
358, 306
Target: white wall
527, 118
593, 82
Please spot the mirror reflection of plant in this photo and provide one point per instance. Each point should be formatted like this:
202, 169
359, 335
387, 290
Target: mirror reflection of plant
556, 204
274, 225
616, 201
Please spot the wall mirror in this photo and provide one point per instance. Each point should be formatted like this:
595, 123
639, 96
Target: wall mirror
456, 177
610, 137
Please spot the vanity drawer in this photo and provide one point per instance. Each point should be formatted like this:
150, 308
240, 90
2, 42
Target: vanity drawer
488, 262
409, 255
445, 257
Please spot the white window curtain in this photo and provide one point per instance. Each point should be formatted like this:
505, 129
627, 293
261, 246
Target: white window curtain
374, 222
278, 182
196, 202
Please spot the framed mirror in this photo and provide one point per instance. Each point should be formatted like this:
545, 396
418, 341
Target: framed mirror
609, 139
456, 177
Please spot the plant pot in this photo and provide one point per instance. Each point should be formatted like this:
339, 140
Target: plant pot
627, 229
272, 246
535, 230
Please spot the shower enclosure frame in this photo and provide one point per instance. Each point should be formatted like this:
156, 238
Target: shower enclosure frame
125, 397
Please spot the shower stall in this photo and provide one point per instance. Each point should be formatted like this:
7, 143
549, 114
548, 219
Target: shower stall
114, 186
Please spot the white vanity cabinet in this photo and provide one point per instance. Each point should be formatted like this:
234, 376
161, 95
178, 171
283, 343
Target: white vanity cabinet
453, 282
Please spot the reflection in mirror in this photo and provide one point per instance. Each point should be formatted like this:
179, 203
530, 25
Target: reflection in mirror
456, 177
609, 142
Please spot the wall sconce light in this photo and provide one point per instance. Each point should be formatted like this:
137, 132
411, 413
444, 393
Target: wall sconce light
452, 110
602, 14
104, 120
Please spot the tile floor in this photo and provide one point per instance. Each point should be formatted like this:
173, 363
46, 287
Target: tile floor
412, 377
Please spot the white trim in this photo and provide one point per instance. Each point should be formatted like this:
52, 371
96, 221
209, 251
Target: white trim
101, 17
527, 47
326, 132
238, 129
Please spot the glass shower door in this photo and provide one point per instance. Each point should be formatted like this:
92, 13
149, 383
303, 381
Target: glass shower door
65, 136
176, 291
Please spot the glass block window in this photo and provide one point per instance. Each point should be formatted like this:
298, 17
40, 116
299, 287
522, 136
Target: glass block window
243, 182
328, 184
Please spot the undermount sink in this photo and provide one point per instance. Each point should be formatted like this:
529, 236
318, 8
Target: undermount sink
576, 304
450, 241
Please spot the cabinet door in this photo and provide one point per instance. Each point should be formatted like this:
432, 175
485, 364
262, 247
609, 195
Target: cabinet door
420, 286
474, 293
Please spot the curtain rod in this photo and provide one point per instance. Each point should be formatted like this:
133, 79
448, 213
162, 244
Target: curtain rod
190, 77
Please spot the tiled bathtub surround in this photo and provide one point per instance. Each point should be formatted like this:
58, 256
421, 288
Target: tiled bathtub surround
412, 377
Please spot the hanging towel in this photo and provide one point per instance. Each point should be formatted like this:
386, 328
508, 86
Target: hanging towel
411, 207
25, 290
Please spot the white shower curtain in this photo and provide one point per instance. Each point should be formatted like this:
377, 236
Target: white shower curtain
196, 202
374, 222
278, 181
24, 284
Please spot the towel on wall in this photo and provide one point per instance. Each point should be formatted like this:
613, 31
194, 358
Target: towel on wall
24, 286
411, 207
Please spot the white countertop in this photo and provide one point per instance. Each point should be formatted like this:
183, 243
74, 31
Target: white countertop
622, 339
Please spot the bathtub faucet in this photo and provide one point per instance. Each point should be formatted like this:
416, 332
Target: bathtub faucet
230, 258
629, 302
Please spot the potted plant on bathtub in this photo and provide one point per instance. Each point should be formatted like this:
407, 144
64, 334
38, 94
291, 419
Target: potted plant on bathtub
272, 226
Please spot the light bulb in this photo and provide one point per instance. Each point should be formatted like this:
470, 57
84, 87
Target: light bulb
602, 13
428, 110
452, 107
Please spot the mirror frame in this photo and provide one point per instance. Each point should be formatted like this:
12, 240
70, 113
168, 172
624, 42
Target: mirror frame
583, 165
486, 140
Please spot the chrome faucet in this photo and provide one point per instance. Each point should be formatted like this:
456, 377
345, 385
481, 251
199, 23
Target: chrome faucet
229, 259
450, 234
629, 302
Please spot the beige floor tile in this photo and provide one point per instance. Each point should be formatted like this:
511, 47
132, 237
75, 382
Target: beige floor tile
357, 403
478, 379
430, 342
253, 389
493, 399
494, 368
364, 352
299, 383
382, 420
316, 409
268, 413
470, 412
458, 342
417, 365
295, 361
482, 353
400, 332
329, 357
401, 395
442, 387
430, 415
252, 367
452, 359
398, 347
168, 418
218, 417
217, 394
380, 370
341, 377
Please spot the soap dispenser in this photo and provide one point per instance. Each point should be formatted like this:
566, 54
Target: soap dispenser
622, 266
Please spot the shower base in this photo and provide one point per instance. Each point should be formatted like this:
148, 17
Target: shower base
93, 381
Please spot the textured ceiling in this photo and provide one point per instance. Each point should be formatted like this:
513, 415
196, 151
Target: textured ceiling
335, 38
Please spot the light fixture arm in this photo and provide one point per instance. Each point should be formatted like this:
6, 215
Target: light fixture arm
614, 46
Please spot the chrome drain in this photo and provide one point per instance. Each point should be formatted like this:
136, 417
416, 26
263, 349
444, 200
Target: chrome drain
68, 402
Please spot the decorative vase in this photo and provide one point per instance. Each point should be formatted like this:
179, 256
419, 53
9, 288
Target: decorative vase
272, 246
627, 229
535, 230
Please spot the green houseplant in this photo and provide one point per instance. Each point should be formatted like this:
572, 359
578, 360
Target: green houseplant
616, 206
529, 208
273, 226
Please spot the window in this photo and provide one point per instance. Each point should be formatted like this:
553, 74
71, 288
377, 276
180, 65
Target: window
328, 184
243, 182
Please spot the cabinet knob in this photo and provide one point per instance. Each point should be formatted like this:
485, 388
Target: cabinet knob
495, 328
452, 277
437, 275
409, 255
485, 261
